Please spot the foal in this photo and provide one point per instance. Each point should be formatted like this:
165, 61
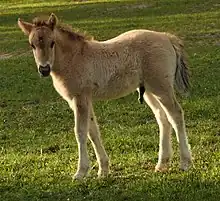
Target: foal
84, 70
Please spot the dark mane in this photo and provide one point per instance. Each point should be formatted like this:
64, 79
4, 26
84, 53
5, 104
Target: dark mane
73, 34
66, 29
39, 22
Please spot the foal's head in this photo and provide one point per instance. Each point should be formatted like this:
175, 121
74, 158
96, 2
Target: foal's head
42, 40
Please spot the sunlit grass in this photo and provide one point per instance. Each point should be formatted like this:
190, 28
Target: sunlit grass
38, 151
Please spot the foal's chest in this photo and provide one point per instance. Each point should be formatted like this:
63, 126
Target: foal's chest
62, 88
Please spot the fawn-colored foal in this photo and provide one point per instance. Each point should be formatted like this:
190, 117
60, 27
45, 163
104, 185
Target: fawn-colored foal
84, 70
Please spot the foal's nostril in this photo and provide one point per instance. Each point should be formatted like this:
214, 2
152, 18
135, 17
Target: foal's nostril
44, 70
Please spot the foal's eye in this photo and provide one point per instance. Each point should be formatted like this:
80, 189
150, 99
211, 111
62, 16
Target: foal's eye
33, 46
52, 44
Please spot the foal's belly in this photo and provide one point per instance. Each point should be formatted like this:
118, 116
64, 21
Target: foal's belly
112, 94
114, 89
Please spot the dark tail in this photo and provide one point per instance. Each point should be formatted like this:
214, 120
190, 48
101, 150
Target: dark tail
182, 71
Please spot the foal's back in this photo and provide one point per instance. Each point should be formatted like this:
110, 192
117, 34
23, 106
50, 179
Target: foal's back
129, 60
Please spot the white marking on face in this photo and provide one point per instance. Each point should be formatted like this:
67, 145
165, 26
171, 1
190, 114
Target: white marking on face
45, 63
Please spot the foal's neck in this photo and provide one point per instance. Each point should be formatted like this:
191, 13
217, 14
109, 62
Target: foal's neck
65, 51
66, 44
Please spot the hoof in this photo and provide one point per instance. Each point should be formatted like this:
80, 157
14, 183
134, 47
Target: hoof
161, 167
185, 161
80, 175
186, 164
103, 173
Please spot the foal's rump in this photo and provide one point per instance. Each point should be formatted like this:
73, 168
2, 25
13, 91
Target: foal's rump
163, 59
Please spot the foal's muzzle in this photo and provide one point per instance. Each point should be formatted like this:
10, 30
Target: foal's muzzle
44, 70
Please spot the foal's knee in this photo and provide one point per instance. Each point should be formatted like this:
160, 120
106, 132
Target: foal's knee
178, 112
175, 113
81, 136
161, 116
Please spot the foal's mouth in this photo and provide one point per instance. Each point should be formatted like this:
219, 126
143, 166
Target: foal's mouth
44, 70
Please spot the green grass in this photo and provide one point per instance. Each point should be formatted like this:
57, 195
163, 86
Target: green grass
38, 151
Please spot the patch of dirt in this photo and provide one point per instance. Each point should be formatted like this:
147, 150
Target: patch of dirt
132, 7
138, 6
206, 35
5, 56
80, 0
18, 53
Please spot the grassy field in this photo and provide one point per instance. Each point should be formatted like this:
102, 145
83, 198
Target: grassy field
38, 151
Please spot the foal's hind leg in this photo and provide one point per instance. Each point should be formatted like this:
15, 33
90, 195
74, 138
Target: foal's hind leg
165, 147
175, 116
94, 136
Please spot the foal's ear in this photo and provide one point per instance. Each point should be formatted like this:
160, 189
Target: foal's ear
52, 21
25, 26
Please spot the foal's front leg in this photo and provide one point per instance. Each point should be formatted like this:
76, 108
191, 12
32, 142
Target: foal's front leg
80, 106
94, 136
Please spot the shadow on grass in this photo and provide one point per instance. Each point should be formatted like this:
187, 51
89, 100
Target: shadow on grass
194, 186
96, 11
96, 17
184, 186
